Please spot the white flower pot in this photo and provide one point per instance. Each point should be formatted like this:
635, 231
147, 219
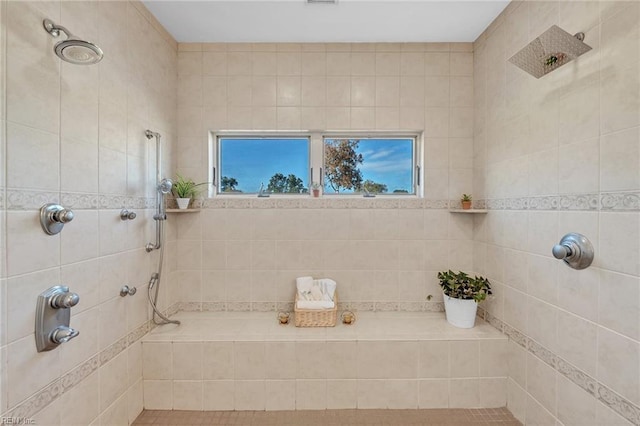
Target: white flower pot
183, 203
460, 313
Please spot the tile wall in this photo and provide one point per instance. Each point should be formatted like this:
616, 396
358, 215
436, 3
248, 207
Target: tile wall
246, 253
294, 374
75, 135
556, 155
550, 156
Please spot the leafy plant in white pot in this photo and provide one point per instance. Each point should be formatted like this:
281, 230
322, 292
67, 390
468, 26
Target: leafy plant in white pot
462, 294
185, 189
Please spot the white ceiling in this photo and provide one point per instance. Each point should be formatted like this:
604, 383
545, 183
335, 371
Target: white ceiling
346, 21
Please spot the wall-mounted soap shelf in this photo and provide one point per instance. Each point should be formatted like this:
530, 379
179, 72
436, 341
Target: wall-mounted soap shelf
469, 211
183, 210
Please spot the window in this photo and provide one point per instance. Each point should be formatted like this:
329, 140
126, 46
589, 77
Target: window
339, 163
369, 165
276, 164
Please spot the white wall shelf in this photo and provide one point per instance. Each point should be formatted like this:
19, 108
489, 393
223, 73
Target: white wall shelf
183, 210
469, 211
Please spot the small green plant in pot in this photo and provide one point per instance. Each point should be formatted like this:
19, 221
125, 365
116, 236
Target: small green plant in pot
185, 189
315, 188
462, 294
466, 201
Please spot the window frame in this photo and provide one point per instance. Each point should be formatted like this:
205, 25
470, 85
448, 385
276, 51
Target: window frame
315, 172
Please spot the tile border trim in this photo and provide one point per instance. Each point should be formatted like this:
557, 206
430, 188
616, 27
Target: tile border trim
304, 202
45, 396
24, 199
603, 201
592, 386
370, 306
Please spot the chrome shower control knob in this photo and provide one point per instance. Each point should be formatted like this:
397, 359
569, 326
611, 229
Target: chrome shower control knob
53, 217
63, 334
64, 300
127, 291
127, 215
575, 250
63, 216
561, 251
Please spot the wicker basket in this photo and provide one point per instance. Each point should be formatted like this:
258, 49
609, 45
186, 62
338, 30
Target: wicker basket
316, 317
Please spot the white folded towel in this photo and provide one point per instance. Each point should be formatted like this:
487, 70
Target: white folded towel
328, 287
304, 286
314, 304
315, 294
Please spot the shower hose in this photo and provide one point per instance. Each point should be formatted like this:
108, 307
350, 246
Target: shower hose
155, 282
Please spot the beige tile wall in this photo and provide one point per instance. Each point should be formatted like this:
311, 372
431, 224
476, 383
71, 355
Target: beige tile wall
385, 86
76, 134
316, 375
377, 254
573, 132
246, 360
525, 132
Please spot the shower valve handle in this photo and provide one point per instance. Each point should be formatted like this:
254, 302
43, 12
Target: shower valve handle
575, 250
562, 251
127, 215
127, 291
64, 300
53, 217
63, 216
62, 334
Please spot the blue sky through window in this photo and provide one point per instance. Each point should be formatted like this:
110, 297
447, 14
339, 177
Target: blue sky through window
253, 161
386, 161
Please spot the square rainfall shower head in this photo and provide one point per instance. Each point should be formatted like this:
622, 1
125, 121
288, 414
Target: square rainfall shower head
554, 48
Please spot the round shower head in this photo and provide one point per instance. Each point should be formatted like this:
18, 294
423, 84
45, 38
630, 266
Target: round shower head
78, 52
165, 186
73, 49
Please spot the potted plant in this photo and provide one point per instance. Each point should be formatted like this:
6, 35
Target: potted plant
462, 294
466, 201
315, 187
185, 189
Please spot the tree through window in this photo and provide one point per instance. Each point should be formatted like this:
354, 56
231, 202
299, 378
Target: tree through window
373, 165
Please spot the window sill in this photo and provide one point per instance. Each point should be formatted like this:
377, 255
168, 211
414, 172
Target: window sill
307, 197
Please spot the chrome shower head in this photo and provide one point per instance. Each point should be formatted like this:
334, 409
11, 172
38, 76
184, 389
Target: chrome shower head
554, 48
73, 49
165, 186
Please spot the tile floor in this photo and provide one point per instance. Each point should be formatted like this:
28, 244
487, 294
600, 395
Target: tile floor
433, 417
